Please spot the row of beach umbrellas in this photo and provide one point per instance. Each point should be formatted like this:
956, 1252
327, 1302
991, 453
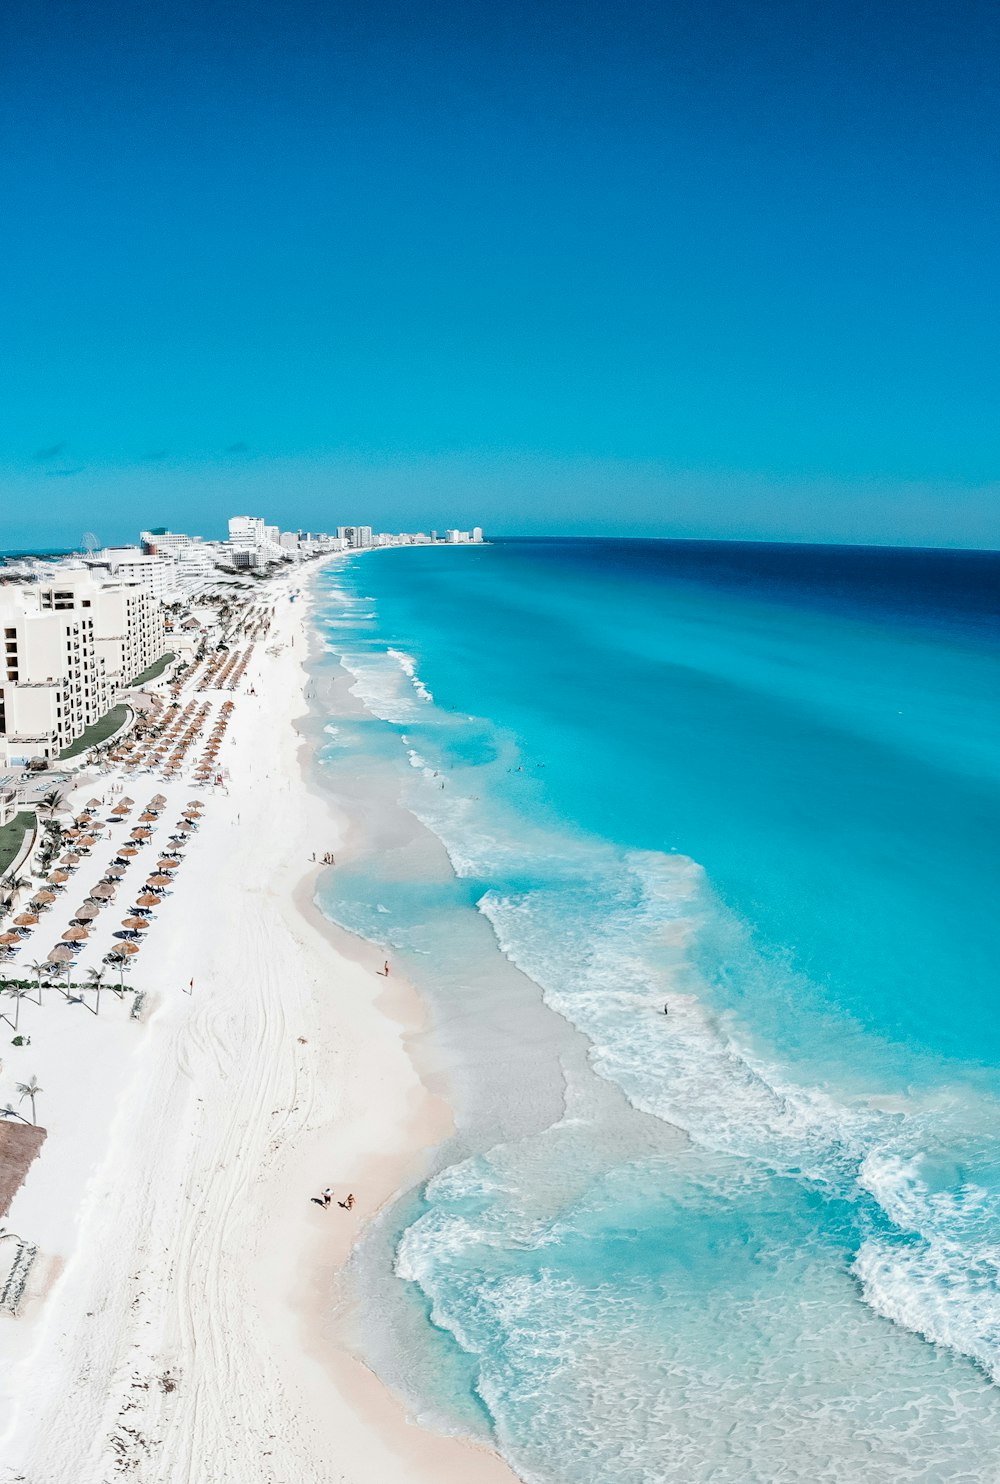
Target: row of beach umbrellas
207, 762
82, 841
104, 892
167, 748
158, 881
222, 671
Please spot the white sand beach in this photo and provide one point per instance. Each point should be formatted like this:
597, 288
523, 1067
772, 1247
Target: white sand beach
176, 1322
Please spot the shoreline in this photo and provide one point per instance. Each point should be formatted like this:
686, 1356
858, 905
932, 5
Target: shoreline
186, 1317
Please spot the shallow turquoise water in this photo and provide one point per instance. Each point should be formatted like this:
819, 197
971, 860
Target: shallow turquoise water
761, 785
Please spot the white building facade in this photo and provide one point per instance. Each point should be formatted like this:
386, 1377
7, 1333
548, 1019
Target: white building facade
355, 538
53, 681
157, 574
70, 646
248, 533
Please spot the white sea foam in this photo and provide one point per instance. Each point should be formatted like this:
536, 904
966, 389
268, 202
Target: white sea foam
943, 1282
594, 1374
381, 686
606, 938
408, 665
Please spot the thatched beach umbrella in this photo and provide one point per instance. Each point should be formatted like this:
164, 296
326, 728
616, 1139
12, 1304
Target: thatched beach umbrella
75, 935
114, 873
93, 803
61, 954
9, 939
104, 891
87, 842
135, 924
128, 850
148, 818
127, 948
42, 898
59, 877
87, 913
26, 919
71, 859
160, 879
148, 899
120, 809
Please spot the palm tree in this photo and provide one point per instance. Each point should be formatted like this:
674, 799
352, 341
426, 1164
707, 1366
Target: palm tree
50, 803
96, 977
120, 962
17, 993
30, 1090
38, 968
13, 886
11, 1112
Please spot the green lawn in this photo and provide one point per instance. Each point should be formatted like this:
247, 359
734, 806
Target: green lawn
11, 836
155, 669
99, 731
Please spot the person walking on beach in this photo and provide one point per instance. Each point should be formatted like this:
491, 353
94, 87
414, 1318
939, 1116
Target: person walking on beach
347, 1205
327, 1197
385, 971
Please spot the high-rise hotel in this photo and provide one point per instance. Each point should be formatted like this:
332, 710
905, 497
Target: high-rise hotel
70, 646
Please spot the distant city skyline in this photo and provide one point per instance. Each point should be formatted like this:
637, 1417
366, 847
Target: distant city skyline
681, 270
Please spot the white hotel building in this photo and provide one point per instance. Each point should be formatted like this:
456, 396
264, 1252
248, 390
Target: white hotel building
157, 574
70, 645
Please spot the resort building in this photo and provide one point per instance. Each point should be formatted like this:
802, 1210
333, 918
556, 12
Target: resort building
128, 622
8, 802
71, 644
248, 533
163, 541
53, 683
355, 538
194, 561
156, 573
129, 632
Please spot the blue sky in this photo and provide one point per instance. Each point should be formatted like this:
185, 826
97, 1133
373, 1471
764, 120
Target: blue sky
685, 269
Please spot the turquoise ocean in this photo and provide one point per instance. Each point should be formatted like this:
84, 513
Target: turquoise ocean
758, 1237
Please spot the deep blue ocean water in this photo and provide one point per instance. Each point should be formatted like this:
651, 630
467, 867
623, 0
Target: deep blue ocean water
760, 785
